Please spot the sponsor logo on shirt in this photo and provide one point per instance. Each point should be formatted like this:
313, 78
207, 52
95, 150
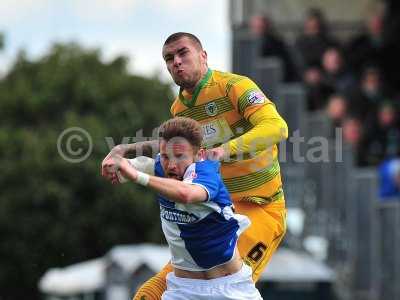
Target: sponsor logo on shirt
177, 216
210, 130
256, 97
216, 131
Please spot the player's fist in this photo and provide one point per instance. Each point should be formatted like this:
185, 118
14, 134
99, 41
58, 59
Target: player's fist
126, 171
217, 153
110, 161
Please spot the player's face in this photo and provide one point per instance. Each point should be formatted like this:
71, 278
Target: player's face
185, 62
176, 155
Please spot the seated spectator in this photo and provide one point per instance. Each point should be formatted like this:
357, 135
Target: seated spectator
366, 97
272, 45
314, 40
317, 92
382, 138
335, 72
389, 179
336, 110
367, 47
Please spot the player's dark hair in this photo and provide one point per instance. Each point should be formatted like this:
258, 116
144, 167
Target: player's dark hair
178, 35
186, 128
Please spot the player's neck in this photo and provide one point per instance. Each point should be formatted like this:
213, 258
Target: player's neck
190, 90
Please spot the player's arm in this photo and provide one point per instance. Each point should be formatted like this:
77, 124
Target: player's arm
146, 148
269, 129
174, 190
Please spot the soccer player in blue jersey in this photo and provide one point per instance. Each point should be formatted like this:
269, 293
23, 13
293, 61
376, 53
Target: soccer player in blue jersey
242, 129
196, 214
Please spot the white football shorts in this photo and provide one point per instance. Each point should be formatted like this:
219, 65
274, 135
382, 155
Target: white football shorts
238, 286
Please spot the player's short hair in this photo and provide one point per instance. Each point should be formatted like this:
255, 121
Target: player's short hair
186, 128
178, 35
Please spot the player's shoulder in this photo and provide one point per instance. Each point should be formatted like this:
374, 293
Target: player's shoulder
208, 165
227, 77
202, 168
227, 81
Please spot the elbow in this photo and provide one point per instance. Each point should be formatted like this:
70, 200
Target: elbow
185, 195
275, 131
283, 131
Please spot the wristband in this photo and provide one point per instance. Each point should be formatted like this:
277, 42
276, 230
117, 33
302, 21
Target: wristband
142, 178
121, 178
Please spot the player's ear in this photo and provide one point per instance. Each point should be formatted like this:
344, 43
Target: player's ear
202, 154
204, 55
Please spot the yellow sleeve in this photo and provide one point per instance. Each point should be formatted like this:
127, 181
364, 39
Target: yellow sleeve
246, 96
269, 129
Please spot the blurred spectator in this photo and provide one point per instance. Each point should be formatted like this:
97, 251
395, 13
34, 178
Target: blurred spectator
317, 92
352, 131
336, 111
352, 135
367, 47
382, 138
367, 96
389, 179
271, 44
314, 40
335, 72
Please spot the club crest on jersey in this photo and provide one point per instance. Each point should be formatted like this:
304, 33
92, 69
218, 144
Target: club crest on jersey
256, 97
190, 177
193, 175
211, 109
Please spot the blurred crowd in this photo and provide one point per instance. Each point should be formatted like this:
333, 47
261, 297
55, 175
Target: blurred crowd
354, 82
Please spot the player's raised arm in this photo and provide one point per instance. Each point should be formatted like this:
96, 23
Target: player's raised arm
146, 148
268, 127
172, 189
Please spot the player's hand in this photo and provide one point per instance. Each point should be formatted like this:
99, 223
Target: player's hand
110, 160
126, 169
217, 153
117, 166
